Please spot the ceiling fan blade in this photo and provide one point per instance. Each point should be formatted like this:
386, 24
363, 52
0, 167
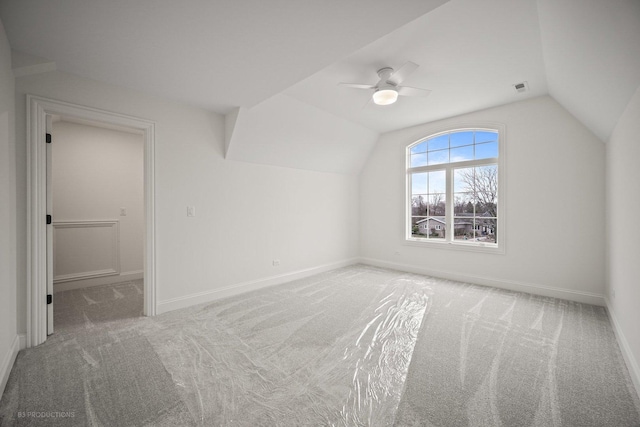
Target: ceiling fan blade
413, 91
404, 71
357, 85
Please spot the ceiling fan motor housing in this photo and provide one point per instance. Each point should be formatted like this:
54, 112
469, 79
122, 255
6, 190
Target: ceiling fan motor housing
385, 73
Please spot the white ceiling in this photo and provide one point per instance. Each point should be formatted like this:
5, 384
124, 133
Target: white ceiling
214, 54
286, 132
275, 64
470, 54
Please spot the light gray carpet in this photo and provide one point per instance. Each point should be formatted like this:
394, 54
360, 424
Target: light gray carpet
355, 346
488, 357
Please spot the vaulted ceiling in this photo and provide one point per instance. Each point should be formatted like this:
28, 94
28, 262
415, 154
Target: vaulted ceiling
272, 66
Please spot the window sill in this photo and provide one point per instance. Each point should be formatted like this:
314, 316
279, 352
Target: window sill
456, 246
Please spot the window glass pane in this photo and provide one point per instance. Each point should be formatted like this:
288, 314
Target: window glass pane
461, 154
485, 209
439, 142
437, 228
419, 148
486, 150
418, 160
438, 157
463, 180
482, 136
463, 204
437, 204
419, 183
418, 226
490, 171
486, 230
486, 188
419, 205
437, 182
461, 138
463, 228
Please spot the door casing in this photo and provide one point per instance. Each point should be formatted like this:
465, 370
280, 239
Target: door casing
38, 109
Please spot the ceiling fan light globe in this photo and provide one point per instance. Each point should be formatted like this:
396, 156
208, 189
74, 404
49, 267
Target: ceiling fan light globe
385, 96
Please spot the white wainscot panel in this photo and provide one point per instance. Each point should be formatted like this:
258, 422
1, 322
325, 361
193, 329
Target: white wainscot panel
85, 249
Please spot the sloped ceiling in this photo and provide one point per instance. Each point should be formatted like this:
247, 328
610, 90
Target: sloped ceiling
273, 65
592, 57
214, 54
470, 53
286, 132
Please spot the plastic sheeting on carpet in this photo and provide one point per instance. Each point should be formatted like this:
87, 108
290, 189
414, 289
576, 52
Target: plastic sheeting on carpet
331, 350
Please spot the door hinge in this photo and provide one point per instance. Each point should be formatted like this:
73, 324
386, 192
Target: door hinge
48, 219
49, 299
48, 139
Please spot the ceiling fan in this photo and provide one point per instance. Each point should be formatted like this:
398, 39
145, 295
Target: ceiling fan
388, 88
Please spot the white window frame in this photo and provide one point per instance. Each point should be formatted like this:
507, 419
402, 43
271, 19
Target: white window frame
453, 244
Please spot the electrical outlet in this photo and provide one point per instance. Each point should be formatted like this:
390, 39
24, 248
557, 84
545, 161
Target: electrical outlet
191, 211
123, 211
276, 262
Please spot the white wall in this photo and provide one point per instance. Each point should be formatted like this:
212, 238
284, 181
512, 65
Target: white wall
8, 337
97, 171
555, 238
246, 214
623, 255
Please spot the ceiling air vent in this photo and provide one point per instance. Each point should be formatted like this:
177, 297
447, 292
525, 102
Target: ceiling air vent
521, 87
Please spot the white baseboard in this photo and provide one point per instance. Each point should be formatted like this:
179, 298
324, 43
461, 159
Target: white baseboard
98, 281
547, 291
18, 344
85, 275
630, 360
240, 288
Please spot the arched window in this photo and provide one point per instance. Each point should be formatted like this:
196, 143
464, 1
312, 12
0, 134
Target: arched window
454, 187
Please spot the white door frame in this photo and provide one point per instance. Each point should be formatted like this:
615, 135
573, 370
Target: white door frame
38, 109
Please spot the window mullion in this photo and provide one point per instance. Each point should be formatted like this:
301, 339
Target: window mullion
409, 213
449, 204
465, 164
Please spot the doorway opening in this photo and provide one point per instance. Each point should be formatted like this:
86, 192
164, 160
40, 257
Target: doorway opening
88, 235
97, 194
